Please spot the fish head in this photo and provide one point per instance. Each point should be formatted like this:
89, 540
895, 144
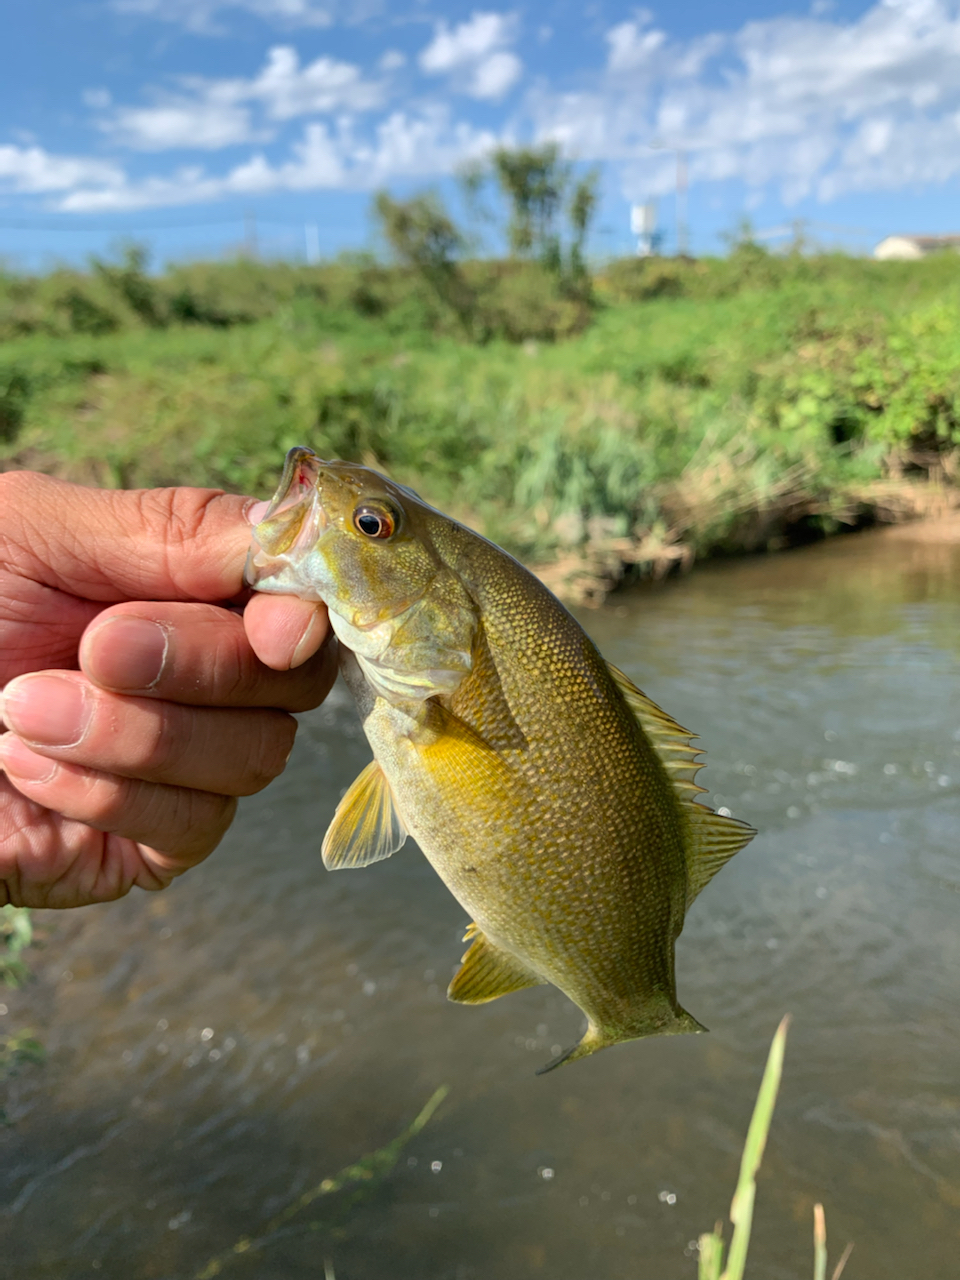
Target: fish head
343, 534
365, 546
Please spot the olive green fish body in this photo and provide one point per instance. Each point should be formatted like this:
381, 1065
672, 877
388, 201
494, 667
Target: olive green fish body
554, 801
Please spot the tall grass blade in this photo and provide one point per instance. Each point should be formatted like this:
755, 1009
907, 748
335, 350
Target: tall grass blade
838, 1269
376, 1164
711, 1254
741, 1210
819, 1243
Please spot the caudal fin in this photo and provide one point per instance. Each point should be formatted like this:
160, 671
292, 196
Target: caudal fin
594, 1038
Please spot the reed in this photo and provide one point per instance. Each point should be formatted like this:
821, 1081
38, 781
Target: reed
362, 1176
711, 1266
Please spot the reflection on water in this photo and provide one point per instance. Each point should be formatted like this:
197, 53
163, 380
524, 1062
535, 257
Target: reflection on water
216, 1050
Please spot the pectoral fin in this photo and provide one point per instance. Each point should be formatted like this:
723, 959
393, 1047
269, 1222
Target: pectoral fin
366, 826
488, 972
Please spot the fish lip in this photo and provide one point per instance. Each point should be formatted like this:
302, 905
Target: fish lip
301, 472
299, 487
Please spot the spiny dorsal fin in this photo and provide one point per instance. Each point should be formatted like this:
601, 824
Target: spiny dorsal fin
366, 826
714, 838
486, 972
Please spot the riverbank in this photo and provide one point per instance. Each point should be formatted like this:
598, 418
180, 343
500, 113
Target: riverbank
700, 409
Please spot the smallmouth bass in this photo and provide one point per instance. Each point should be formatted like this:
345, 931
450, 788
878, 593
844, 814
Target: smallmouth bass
553, 798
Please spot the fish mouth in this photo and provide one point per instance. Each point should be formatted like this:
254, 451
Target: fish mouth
291, 525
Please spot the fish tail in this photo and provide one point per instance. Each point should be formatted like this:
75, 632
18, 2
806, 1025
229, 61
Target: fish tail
594, 1038
685, 1023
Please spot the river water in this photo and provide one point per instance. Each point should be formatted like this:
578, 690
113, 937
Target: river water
217, 1050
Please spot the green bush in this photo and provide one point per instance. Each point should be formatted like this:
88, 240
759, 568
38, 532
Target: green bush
712, 412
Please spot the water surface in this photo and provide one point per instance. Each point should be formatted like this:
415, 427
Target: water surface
217, 1050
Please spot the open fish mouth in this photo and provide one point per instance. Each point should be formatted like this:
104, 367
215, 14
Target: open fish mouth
292, 523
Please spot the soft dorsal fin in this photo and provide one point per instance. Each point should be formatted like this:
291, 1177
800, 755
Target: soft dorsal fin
486, 972
366, 826
714, 838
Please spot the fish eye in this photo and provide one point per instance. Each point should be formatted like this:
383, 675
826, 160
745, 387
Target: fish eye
375, 522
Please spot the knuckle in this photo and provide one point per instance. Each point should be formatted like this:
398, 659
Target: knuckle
314, 680
161, 739
21, 494
178, 820
172, 520
200, 821
232, 672
176, 515
107, 800
270, 746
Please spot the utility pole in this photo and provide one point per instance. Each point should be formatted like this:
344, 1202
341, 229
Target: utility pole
311, 235
683, 183
250, 233
683, 246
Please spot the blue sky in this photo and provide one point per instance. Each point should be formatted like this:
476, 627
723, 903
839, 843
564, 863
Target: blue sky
186, 122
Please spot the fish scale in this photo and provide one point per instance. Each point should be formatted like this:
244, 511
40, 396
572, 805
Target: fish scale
557, 803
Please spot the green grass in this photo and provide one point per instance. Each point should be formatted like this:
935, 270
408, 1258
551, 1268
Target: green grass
16, 934
719, 404
17, 1048
711, 1243
358, 1178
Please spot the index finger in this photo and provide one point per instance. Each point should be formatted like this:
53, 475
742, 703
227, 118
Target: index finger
199, 654
114, 544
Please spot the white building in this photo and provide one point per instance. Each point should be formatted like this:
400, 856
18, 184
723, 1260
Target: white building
910, 248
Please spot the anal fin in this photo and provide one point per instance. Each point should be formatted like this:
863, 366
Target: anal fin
488, 972
366, 826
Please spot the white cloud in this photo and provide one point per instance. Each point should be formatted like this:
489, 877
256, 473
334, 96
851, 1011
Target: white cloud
495, 75
419, 146
200, 16
475, 53
205, 125
466, 44
809, 106
288, 90
402, 145
801, 106
32, 170
392, 60
211, 114
632, 46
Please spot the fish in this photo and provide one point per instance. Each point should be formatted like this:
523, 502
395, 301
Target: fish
556, 801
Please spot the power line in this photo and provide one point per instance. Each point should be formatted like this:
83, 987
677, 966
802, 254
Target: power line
20, 224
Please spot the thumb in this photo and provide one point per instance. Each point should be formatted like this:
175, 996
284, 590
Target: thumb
113, 544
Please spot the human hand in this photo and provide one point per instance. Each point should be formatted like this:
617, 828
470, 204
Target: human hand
137, 711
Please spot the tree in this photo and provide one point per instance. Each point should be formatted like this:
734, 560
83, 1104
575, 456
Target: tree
424, 237
539, 187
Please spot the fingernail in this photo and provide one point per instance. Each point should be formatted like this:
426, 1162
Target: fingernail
307, 643
124, 653
256, 511
19, 761
49, 710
